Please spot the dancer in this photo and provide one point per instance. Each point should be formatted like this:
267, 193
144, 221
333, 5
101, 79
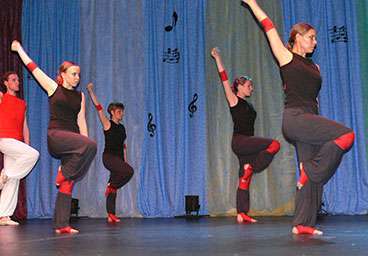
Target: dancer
254, 153
67, 135
320, 143
114, 155
19, 157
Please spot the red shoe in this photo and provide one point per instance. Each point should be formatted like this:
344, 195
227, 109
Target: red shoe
66, 230
112, 218
299, 229
242, 217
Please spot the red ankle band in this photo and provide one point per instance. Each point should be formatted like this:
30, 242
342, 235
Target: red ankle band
66, 187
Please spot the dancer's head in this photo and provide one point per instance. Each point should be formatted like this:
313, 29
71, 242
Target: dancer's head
68, 75
10, 82
302, 39
116, 111
243, 86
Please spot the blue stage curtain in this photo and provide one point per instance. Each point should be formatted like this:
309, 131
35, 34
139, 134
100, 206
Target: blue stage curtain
174, 153
50, 32
112, 58
338, 55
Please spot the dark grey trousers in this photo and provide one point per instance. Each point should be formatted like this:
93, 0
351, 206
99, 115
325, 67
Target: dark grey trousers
313, 137
76, 153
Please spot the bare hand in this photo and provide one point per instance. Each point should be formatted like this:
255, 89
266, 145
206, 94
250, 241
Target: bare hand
15, 46
215, 53
248, 1
90, 87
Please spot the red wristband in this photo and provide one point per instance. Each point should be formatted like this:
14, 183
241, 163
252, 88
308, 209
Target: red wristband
223, 75
267, 24
98, 107
31, 66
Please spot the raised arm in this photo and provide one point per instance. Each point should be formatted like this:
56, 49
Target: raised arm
46, 82
282, 54
81, 119
104, 120
229, 94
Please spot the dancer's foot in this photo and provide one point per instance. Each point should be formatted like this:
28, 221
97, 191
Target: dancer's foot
59, 178
6, 221
299, 229
112, 218
303, 178
242, 217
66, 230
3, 179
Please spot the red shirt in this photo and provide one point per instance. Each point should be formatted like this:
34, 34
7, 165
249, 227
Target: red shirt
12, 114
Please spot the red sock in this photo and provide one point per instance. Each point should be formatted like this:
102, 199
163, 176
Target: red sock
345, 141
244, 181
274, 147
66, 187
66, 230
112, 218
110, 189
59, 177
303, 178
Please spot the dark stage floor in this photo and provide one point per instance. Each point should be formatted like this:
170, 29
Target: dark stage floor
345, 235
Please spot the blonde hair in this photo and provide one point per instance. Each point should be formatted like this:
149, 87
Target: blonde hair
298, 28
63, 67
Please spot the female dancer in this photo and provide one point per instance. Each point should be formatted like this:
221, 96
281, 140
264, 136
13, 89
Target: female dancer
254, 153
19, 157
67, 135
320, 143
114, 155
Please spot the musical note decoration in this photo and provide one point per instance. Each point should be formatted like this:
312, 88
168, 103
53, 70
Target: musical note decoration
174, 19
171, 56
338, 34
192, 107
151, 127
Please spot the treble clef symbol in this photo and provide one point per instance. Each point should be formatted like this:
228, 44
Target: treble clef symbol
192, 106
151, 127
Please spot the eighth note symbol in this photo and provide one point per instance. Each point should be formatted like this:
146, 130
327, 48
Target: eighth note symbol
151, 127
174, 20
192, 106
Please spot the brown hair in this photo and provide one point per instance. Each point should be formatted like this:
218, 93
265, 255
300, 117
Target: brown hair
63, 67
298, 28
115, 105
4, 78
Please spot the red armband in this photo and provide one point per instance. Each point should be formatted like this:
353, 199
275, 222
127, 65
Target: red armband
31, 66
98, 107
267, 24
223, 76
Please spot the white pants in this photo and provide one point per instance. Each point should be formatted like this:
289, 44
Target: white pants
19, 159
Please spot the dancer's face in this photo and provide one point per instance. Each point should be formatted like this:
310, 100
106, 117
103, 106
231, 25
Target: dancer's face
117, 114
308, 41
12, 84
71, 76
246, 88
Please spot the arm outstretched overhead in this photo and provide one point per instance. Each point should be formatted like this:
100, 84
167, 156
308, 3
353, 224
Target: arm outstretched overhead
46, 82
104, 120
282, 54
231, 98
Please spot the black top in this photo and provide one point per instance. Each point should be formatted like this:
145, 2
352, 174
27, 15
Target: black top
244, 116
302, 83
114, 139
64, 108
